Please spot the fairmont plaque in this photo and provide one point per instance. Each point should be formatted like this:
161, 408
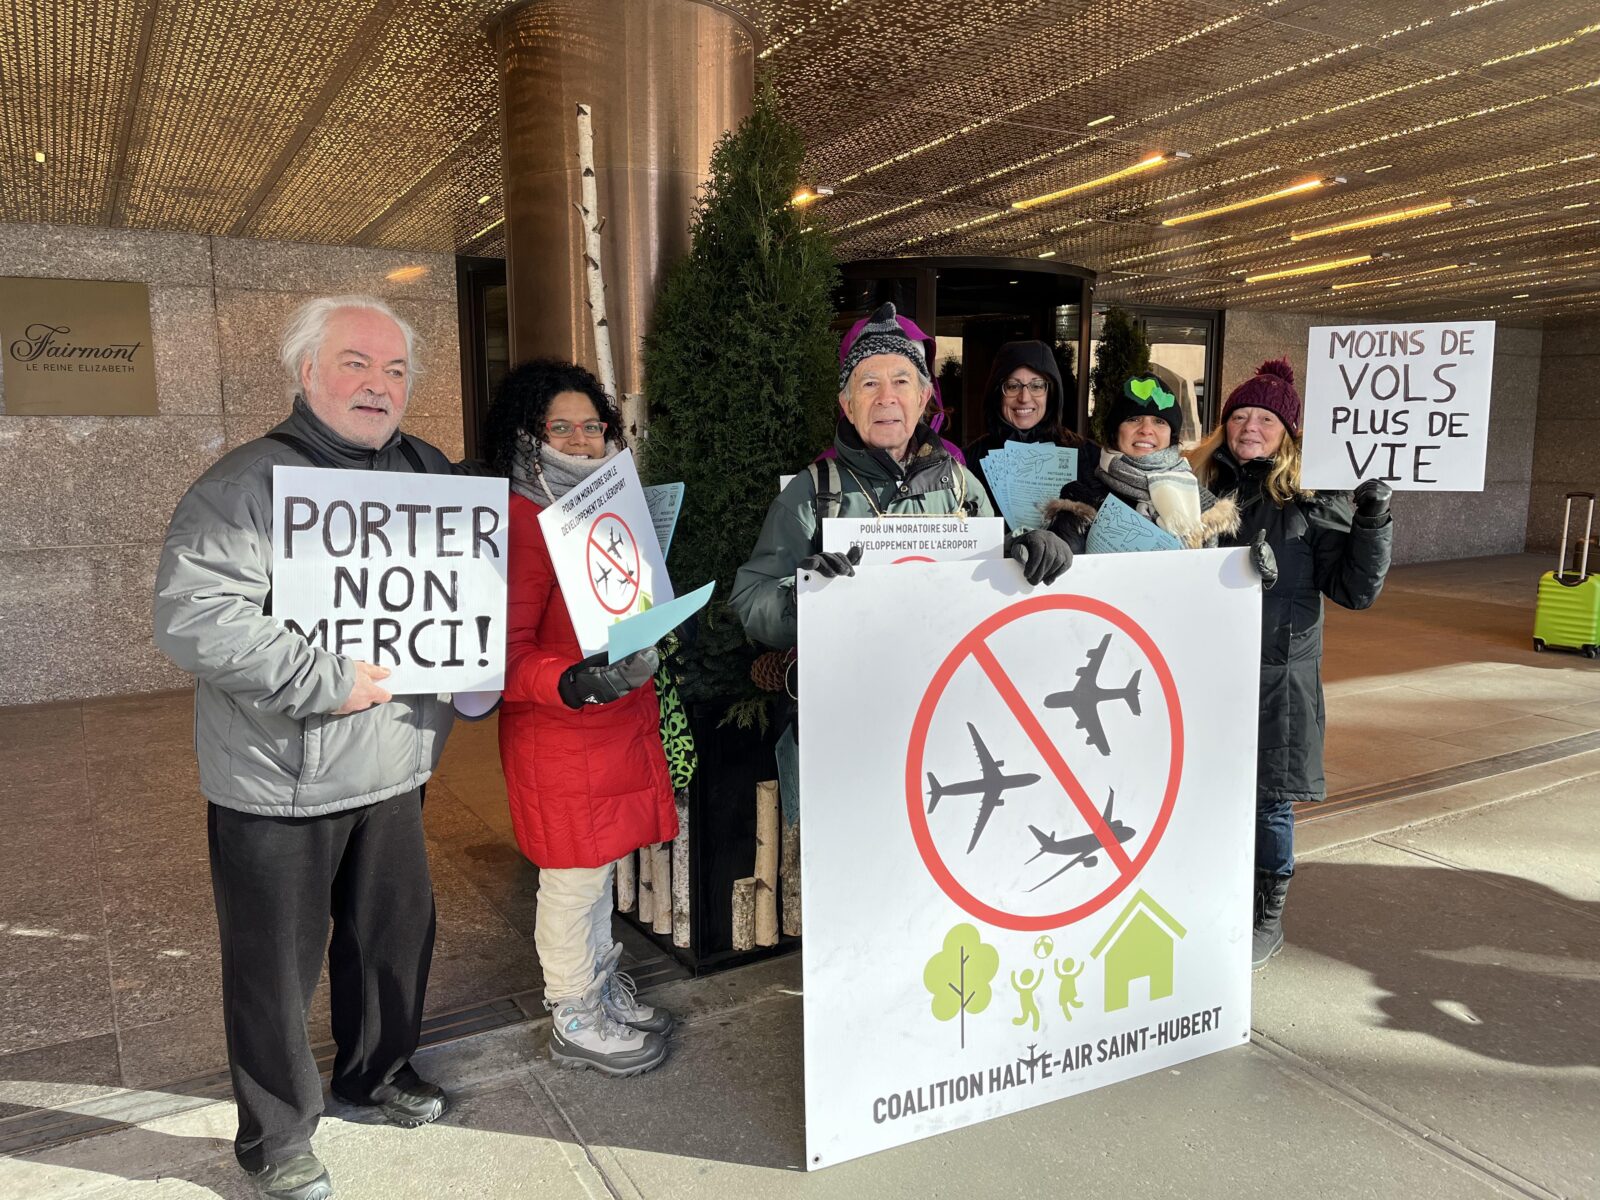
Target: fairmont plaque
74, 347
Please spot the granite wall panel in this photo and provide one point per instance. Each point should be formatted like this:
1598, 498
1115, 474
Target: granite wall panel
86, 500
1430, 525
1566, 451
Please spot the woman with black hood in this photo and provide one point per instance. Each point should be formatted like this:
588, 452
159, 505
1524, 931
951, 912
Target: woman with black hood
1023, 402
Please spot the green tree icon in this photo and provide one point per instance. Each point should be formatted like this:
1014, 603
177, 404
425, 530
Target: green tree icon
960, 975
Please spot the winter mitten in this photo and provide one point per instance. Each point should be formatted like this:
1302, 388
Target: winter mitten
1042, 554
1264, 561
595, 681
830, 563
1372, 500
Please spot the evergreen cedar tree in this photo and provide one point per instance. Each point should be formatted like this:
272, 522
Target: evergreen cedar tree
741, 374
1123, 352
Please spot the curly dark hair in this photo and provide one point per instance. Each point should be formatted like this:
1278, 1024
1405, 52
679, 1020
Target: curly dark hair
520, 403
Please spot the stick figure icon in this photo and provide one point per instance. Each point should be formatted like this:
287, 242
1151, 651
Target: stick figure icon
1028, 985
1069, 986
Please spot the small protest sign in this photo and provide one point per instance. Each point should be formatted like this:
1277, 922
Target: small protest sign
604, 550
1407, 404
664, 501
1118, 530
403, 571
916, 538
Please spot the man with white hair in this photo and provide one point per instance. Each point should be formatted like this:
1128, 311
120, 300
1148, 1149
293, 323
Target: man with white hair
312, 769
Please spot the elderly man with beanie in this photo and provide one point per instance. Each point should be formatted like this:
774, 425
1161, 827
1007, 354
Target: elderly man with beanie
1145, 470
888, 463
1329, 544
312, 769
1023, 402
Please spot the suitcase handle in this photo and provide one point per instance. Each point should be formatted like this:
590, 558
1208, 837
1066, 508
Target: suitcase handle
1582, 572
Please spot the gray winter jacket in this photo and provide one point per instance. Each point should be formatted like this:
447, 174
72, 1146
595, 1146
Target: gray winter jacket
264, 728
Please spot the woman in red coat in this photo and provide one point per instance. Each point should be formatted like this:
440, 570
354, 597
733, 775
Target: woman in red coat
580, 740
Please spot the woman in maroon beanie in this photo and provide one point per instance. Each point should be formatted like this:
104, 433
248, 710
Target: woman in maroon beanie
1330, 544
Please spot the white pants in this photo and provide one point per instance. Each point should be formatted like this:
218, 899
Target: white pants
572, 926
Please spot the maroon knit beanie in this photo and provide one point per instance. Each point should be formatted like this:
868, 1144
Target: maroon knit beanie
1271, 388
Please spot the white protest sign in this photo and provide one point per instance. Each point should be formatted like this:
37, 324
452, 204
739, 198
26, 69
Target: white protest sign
916, 539
605, 553
1407, 404
1029, 874
403, 571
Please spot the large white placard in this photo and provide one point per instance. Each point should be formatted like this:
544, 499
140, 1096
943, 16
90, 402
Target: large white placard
1407, 404
603, 546
400, 570
1028, 874
904, 539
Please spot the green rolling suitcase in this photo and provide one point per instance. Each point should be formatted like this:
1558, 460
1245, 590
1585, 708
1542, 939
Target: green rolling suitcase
1568, 612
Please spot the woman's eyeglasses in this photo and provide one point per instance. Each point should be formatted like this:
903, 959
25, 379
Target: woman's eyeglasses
565, 429
1037, 387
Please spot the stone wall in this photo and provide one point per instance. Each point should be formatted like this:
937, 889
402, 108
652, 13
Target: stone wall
1430, 525
1566, 449
85, 500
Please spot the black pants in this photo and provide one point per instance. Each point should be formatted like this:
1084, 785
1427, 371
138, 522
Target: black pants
276, 882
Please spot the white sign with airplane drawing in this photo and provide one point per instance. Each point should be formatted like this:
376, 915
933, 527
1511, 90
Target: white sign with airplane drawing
1057, 895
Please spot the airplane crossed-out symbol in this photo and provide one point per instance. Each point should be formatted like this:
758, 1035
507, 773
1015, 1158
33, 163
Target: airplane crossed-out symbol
606, 562
1108, 834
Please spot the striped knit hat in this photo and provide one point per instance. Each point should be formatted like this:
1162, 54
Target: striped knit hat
883, 335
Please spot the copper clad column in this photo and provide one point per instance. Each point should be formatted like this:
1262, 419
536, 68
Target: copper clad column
664, 79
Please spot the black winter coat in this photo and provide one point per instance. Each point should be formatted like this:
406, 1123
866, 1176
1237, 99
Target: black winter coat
1323, 549
1036, 356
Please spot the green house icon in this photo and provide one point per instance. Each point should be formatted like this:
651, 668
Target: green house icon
1140, 945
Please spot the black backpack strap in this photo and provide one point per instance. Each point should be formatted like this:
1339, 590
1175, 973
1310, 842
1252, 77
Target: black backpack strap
411, 455
825, 494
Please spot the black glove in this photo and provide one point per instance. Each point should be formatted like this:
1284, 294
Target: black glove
830, 563
1372, 500
1042, 554
1264, 561
595, 681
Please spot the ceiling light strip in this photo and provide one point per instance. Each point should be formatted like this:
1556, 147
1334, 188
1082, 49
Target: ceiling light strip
1148, 163
1388, 218
1393, 280
1332, 264
1295, 189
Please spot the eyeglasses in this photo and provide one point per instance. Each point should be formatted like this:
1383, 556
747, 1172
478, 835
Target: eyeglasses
1037, 387
565, 429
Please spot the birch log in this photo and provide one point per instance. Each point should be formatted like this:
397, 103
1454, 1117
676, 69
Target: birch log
661, 884
647, 892
789, 877
590, 208
627, 883
767, 863
744, 913
680, 874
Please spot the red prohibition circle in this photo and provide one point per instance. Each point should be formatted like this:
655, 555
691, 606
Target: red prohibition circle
595, 547
911, 558
917, 746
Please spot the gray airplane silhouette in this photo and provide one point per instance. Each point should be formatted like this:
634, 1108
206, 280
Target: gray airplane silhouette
1086, 696
1084, 848
990, 787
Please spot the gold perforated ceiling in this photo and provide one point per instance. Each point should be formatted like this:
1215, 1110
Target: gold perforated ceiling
374, 122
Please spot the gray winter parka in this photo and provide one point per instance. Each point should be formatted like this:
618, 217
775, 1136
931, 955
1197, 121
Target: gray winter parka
929, 483
264, 730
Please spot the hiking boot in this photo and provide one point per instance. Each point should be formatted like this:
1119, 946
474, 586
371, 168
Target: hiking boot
302, 1177
1267, 937
583, 1034
620, 996
408, 1105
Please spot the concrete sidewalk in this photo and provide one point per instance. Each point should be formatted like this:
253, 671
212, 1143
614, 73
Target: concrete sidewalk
1432, 1029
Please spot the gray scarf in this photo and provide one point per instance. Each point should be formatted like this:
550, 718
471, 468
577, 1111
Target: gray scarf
1161, 487
543, 474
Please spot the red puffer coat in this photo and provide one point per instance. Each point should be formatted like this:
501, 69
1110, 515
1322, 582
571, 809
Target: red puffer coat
586, 786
